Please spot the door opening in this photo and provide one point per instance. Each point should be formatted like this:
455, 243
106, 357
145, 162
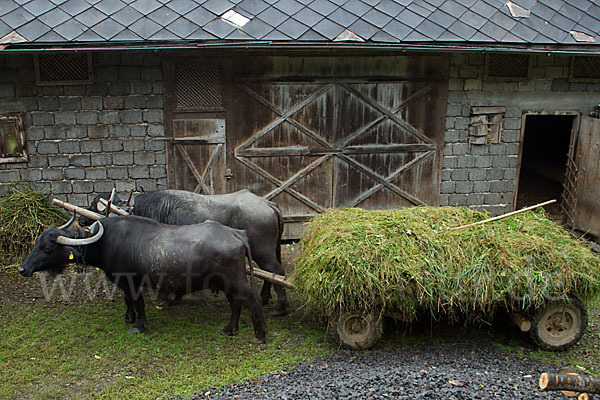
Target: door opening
544, 156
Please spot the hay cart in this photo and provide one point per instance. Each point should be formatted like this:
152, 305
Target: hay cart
555, 326
555, 323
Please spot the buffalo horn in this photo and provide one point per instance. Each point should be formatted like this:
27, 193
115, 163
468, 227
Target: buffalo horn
110, 201
65, 226
82, 242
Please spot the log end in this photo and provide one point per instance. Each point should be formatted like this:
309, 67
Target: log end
544, 380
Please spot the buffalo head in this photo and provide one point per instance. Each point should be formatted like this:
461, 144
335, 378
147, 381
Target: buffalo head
54, 249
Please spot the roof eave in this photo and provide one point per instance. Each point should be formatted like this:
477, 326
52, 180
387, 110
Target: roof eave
483, 47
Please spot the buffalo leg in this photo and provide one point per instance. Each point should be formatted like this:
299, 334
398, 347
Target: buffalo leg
140, 325
282, 302
250, 298
235, 302
265, 293
130, 313
258, 315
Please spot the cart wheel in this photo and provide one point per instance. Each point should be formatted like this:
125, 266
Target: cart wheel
559, 324
358, 331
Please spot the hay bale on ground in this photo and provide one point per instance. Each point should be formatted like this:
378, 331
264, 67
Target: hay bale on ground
354, 259
24, 214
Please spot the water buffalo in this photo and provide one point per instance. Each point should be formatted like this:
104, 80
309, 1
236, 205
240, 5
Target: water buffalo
260, 218
136, 252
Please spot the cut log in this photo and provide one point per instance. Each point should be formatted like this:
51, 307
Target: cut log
81, 211
114, 208
523, 323
271, 277
575, 383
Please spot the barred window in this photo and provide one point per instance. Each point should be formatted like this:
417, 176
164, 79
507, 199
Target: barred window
63, 69
507, 66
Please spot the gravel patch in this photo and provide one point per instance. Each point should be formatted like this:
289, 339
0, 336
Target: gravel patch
433, 371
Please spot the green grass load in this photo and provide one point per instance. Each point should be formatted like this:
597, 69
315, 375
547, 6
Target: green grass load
399, 261
24, 214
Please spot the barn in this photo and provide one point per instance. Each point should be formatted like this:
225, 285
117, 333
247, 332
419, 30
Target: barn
313, 104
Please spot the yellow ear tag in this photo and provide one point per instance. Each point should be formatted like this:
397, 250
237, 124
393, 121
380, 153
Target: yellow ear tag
71, 256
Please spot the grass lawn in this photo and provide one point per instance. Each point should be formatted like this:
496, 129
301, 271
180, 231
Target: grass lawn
82, 348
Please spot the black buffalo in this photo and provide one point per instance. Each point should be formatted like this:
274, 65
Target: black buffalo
136, 252
260, 218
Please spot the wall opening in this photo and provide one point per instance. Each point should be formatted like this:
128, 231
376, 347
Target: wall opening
544, 156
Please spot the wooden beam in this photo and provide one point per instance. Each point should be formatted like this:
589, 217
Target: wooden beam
81, 211
271, 277
297, 151
114, 208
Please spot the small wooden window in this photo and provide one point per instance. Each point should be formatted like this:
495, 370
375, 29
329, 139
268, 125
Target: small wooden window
54, 69
486, 125
12, 139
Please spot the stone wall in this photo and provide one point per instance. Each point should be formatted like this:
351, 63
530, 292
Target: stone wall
484, 176
85, 139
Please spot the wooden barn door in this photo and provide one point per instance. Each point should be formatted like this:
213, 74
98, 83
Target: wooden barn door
198, 148
585, 206
333, 144
196, 127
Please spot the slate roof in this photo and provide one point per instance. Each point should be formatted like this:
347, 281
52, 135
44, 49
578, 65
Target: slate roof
294, 22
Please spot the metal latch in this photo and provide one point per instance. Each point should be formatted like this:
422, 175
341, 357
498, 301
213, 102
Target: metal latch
228, 174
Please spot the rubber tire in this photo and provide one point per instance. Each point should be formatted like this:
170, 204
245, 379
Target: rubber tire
370, 325
578, 312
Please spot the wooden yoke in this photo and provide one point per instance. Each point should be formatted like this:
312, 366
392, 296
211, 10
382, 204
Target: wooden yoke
114, 208
81, 211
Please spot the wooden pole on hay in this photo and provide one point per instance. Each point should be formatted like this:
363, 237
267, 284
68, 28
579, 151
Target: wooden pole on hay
510, 214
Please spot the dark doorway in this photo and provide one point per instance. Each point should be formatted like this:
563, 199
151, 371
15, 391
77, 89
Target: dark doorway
543, 160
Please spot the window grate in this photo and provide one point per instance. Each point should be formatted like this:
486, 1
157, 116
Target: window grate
511, 66
63, 69
585, 68
198, 86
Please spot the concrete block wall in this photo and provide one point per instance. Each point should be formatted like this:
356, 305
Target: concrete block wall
484, 176
85, 139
